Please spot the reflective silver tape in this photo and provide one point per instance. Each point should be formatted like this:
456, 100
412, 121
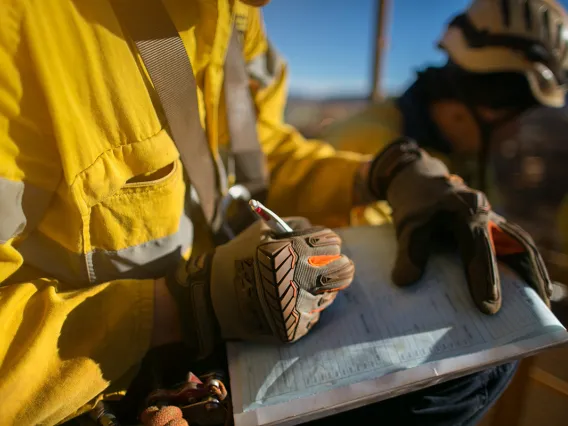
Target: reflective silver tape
265, 68
49, 256
21, 205
148, 260
12, 217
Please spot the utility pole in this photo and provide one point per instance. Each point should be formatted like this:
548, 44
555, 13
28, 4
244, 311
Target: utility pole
380, 47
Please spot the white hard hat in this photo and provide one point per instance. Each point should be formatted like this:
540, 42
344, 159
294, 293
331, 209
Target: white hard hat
524, 36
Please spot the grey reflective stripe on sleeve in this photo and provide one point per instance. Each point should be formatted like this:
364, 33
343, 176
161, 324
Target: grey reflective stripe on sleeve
265, 67
12, 217
49, 256
148, 260
21, 205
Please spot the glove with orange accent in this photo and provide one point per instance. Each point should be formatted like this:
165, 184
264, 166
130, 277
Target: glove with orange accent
431, 206
260, 286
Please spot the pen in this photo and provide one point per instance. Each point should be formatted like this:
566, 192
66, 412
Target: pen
271, 218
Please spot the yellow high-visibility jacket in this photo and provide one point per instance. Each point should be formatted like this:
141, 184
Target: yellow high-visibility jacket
92, 192
370, 130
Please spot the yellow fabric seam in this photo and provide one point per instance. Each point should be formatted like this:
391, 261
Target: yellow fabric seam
116, 148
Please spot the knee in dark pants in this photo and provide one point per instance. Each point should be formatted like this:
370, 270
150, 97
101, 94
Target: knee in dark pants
458, 402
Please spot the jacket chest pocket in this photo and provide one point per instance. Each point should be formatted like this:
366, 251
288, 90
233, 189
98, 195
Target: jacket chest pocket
139, 231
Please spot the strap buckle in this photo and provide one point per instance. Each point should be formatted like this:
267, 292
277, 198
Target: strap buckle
233, 214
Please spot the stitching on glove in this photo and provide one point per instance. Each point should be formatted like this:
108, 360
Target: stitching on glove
277, 262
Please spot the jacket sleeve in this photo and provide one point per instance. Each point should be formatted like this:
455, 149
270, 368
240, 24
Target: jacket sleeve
61, 346
308, 177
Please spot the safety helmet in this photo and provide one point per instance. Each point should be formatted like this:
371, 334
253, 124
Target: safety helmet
523, 36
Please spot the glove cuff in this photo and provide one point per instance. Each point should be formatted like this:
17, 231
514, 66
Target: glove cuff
389, 163
190, 287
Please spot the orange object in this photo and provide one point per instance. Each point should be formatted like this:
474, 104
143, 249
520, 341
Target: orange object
319, 261
503, 243
170, 416
455, 179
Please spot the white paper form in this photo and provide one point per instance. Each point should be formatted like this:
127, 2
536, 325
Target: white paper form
374, 329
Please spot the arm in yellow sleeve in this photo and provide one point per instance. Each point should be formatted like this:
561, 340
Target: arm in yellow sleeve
368, 131
61, 350
61, 346
308, 177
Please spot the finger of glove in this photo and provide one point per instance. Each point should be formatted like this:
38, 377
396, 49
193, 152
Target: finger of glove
298, 223
315, 241
164, 416
334, 273
414, 244
324, 300
525, 260
309, 303
306, 322
480, 264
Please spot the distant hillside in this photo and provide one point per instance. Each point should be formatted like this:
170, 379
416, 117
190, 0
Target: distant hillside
339, 98
311, 116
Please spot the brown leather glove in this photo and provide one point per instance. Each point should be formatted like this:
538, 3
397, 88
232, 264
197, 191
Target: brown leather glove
430, 206
261, 286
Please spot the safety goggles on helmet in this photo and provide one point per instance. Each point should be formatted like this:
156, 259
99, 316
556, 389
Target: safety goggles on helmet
522, 36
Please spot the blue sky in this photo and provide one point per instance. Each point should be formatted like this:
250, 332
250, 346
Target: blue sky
328, 43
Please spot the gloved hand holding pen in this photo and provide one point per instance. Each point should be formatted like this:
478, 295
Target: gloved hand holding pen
261, 286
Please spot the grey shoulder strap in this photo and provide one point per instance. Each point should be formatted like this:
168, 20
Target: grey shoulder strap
170, 70
249, 160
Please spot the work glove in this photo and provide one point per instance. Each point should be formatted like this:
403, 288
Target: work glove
430, 207
260, 286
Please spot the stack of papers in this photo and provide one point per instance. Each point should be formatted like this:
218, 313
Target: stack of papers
377, 340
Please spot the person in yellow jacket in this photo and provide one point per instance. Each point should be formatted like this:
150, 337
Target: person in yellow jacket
504, 58
96, 229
